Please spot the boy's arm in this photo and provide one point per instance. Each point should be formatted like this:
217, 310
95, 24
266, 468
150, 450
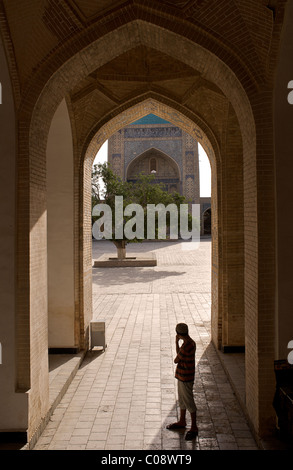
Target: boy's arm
176, 360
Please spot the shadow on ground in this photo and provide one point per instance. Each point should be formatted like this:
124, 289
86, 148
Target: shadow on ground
137, 275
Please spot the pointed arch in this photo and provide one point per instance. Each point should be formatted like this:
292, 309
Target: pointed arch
152, 151
35, 116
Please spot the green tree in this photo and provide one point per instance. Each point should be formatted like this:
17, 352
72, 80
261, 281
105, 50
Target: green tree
144, 192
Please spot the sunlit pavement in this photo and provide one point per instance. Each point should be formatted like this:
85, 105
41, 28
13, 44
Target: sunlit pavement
123, 398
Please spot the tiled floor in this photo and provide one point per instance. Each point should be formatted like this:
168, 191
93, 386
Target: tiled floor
123, 398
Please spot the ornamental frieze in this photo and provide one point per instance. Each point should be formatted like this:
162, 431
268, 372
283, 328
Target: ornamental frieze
152, 132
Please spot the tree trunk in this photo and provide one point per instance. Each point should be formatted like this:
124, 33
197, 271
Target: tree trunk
121, 248
121, 253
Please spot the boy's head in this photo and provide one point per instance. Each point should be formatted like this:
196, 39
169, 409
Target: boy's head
182, 329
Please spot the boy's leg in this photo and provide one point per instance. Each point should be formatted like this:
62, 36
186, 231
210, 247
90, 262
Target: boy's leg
181, 423
194, 427
191, 406
182, 420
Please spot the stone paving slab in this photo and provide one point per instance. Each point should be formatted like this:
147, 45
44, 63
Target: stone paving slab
123, 398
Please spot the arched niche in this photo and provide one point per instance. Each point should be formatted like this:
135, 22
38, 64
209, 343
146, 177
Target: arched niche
157, 163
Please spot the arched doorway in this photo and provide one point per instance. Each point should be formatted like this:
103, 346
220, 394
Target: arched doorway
240, 143
151, 105
155, 162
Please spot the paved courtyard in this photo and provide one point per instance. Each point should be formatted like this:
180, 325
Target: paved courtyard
123, 398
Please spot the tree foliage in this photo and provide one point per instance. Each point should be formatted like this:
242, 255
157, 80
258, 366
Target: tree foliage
144, 191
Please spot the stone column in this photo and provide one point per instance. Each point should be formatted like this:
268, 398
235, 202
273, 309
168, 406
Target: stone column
13, 405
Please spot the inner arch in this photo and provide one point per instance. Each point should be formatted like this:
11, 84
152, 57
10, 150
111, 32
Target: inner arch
138, 111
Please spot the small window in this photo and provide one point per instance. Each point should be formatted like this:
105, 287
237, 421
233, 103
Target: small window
153, 165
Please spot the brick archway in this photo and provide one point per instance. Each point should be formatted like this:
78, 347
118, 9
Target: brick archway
33, 130
153, 106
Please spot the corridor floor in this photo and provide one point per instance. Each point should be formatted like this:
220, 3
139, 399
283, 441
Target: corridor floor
123, 398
